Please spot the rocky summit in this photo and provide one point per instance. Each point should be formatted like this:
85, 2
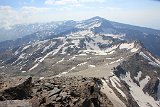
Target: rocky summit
56, 92
90, 63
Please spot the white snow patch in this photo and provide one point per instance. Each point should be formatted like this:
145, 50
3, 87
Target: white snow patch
2, 67
61, 38
114, 81
23, 71
82, 54
92, 66
39, 43
34, 66
134, 49
20, 57
155, 71
60, 60
120, 36
49, 46
157, 63
81, 34
26, 47
111, 52
41, 78
111, 48
72, 69
82, 64
111, 95
21, 68
91, 45
138, 76
63, 50
16, 52
117, 60
72, 58
95, 52
145, 56
97, 24
37, 59
154, 64
143, 82
99, 39
88, 26
76, 42
63, 73
109, 58
157, 60
126, 46
60, 74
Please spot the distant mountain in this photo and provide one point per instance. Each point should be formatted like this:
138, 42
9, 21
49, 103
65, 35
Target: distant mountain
96, 25
21, 30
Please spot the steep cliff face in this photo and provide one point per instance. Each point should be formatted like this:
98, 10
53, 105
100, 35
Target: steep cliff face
140, 73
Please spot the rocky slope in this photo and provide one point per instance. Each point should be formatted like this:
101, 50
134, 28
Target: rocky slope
121, 73
56, 92
67, 54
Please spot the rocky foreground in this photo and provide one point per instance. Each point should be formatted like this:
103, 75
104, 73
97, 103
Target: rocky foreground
54, 92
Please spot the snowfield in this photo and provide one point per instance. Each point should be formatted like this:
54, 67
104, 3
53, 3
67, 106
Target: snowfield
143, 99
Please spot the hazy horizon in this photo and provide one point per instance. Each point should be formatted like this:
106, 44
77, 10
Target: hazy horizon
143, 13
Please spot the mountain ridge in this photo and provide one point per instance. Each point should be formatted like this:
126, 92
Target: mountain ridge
95, 25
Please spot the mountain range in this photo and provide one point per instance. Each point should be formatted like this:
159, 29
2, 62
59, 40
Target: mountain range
96, 25
89, 63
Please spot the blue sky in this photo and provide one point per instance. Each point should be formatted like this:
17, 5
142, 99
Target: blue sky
137, 12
